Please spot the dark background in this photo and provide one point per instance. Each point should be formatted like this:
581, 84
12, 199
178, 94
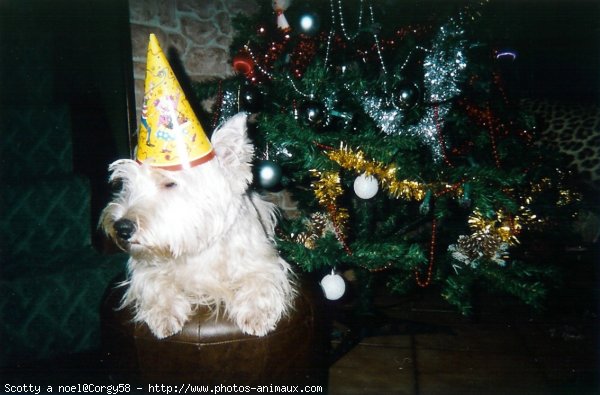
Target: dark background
558, 46
557, 41
84, 49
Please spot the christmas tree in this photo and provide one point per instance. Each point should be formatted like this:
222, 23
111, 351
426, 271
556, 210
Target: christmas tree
409, 161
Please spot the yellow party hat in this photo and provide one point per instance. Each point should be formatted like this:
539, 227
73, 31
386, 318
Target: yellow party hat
170, 136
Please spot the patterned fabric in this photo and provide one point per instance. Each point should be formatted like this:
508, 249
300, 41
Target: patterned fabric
52, 280
45, 216
53, 309
574, 131
36, 142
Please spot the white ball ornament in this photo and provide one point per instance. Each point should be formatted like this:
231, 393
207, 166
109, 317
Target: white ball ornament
333, 286
365, 186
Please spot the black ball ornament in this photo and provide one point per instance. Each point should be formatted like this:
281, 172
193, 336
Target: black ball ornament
313, 113
250, 99
268, 173
340, 116
406, 95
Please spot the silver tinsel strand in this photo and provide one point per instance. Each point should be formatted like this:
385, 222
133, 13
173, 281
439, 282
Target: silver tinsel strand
443, 66
229, 106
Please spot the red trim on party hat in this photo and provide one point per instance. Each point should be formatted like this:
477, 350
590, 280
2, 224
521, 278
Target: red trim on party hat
193, 163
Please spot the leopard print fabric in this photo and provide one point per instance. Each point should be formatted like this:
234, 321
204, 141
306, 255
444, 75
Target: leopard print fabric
573, 130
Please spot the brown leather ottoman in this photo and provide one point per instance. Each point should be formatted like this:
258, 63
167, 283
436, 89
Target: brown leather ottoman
214, 351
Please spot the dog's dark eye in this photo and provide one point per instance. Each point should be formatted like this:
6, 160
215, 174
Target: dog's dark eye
170, 184
116, 185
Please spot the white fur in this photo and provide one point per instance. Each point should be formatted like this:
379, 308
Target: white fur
203, 241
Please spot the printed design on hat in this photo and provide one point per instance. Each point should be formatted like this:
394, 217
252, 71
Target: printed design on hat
170, 135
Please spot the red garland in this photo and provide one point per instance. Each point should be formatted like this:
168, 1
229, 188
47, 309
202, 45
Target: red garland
499, 85
485, 118
427, 281
306, 48
493, 130
303, 54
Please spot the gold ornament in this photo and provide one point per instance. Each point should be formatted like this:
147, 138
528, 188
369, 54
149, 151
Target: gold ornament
503, 226
479, 243
482, 244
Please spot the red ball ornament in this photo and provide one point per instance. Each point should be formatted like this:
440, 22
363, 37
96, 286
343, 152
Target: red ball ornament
243, 63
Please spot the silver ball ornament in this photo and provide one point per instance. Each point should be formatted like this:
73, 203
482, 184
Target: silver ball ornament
269, 174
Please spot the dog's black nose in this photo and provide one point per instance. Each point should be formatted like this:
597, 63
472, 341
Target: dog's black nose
124, 228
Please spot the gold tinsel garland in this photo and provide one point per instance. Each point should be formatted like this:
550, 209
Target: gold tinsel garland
503, 226
350, 159
490, 238
489, 234
566, 195
327, 189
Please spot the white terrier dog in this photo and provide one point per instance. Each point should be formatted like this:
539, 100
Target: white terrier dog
198, 237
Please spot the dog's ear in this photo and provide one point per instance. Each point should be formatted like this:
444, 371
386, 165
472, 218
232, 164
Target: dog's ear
233, 148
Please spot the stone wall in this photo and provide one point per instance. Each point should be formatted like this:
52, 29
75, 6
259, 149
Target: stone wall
198, 32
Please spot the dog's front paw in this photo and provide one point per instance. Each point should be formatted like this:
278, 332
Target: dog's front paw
164, 324
256, 322
257, 306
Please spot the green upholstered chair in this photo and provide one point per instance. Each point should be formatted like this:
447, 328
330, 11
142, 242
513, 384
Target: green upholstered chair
51, 278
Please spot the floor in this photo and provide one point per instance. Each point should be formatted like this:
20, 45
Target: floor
427, 348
